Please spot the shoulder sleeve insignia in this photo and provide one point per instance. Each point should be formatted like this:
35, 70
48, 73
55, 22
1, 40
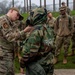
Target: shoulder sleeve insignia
5, 26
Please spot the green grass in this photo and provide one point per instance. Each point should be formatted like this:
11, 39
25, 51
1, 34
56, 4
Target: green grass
69, 65
71, 59
25, 15
55, 14
17, 65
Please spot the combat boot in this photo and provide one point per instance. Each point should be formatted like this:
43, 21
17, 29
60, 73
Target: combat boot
64, 60
71, 54
55, 60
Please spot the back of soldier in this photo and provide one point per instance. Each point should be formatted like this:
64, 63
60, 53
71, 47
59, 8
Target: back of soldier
44, 40
73, 39
37, 55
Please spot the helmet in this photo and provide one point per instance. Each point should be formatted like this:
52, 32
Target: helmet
38, 15
62, 8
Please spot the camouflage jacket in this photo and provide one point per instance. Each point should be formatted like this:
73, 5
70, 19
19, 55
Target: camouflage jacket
38, 44
7, 33
51, 22
63, 25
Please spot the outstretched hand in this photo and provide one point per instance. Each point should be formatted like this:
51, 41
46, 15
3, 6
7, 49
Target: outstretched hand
22, 70
28, 28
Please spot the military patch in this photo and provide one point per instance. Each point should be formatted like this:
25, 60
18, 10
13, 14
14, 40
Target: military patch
5, 26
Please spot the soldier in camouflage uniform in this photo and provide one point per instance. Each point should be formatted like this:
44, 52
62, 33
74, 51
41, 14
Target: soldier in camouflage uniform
63, 29
50, 19
67, 8
8, 36
73, 39
37, 57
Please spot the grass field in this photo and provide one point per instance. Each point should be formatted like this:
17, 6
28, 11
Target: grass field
59, 65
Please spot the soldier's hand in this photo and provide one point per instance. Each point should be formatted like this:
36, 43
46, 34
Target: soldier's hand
28, 29
22, 70
19, 58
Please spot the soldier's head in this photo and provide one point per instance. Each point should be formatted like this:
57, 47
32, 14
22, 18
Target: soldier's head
14, 14
63, 3
49, 14
38, 16
62, 10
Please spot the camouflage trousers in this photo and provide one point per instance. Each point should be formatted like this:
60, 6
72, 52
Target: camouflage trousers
41, 67
37, 69
73, 42
6, 62
62, 41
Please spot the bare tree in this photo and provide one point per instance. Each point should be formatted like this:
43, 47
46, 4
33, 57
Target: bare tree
40, 3
73, 4
27, 5
59, 3
30, 4
5, 5
24, 5
45, 3
12, 3
67, 2
53, 5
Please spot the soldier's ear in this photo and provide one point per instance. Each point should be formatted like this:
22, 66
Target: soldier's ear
11, 11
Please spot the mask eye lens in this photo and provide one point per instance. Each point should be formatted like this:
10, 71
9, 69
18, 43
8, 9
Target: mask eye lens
31, 13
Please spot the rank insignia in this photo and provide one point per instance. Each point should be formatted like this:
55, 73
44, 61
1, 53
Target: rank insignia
5, 25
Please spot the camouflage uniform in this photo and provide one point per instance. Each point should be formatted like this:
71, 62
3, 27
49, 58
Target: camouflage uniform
37, 57
51, 22
18, 25
73, 38
8, 37
63, 29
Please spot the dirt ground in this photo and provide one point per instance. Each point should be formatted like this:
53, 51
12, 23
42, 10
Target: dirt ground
64, 72
61, 72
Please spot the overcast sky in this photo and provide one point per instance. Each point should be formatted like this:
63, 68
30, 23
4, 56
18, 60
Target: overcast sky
47, 1
37, 2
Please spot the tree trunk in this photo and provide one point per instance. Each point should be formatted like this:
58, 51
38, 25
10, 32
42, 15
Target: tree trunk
30, 4
40, 4
12, 3
24, 6
53, 5
73, 4
59, 3
67, 2
45, 3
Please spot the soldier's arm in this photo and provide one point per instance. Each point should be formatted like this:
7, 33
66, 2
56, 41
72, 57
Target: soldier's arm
31, 49
10, 34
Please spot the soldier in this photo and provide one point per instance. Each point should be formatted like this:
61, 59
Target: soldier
8, 36
50, 19
63, 30
67, 8
73, 39
37, 57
